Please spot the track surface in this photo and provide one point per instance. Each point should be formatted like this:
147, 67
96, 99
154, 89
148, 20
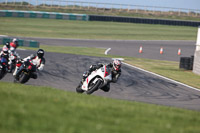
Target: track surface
64, 71
151, 49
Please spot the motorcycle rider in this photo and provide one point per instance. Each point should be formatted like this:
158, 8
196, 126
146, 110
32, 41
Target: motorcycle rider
4, 53
14, 43
115, 69
38, 59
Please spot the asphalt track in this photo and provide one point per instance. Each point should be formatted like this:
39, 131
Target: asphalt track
151, 49
64, 71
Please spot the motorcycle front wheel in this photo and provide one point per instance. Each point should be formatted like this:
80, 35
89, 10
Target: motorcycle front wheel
94, 87
1, 74
24, 77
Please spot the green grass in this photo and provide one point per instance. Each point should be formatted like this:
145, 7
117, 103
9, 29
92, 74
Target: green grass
168, 69
30, 27
30, 109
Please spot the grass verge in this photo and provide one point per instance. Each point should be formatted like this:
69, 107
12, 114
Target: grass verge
34, 109
30, 27
168, 69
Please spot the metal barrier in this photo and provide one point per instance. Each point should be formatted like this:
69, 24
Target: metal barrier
143, 20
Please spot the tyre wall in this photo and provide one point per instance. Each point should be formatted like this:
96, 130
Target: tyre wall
25, 43
47, 15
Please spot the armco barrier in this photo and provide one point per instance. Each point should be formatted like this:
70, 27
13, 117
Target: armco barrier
143, 20
37, 14
25, 43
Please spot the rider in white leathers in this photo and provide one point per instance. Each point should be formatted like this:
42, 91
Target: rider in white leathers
38, 60
116, 72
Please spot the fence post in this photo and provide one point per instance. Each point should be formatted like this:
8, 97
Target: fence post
51, 3
88, 6
128, 8
96, 6
44, 3
66, 4
74, 5
136, 10
22, 3
36, 3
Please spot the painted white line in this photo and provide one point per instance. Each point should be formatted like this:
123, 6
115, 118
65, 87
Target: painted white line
3, 36
161, 76
21, 49
106, 52
75, 39
118, 59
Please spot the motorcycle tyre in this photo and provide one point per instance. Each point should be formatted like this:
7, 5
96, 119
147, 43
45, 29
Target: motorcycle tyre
1, 74
79, 90
94, 88
24, 78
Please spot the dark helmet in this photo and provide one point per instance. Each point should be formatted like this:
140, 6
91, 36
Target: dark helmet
7, 44
40, 53
117, 64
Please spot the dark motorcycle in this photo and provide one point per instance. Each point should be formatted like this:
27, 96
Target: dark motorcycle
26, 70
3, 67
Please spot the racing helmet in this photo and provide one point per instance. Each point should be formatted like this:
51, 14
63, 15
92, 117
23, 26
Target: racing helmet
40, 53
7, 44
117, 64
14, 43
5, 50
14, 40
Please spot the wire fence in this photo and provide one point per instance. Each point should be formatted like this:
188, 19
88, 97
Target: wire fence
103, 7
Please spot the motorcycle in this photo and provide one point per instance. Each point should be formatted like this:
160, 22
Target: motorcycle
27, 70
96, 80
12, 64
3, 67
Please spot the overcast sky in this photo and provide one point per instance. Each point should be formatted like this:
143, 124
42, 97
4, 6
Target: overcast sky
190, 4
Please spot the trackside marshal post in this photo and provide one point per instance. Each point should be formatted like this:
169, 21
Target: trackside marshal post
196, 67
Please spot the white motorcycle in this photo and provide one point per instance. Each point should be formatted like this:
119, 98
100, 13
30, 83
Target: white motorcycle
96, 80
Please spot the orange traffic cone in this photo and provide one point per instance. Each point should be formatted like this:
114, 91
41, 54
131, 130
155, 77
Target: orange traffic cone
161, 50
140, 50
179, 51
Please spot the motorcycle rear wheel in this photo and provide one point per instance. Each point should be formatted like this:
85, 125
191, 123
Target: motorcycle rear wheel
78, 89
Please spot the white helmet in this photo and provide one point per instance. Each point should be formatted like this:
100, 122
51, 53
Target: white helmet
5, 50
14, 40
117, 64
